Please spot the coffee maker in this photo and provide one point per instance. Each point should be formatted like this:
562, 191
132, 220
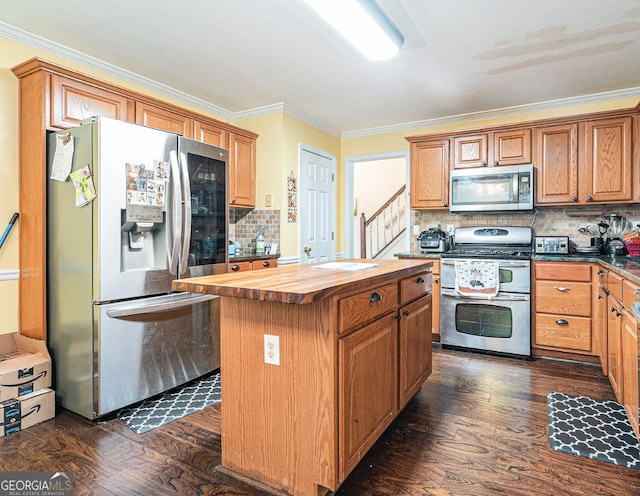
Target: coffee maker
618, 225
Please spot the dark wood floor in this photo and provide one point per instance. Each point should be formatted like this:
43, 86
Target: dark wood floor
477, 427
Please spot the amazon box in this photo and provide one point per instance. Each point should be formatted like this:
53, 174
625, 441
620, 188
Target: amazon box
16, 414
25, 365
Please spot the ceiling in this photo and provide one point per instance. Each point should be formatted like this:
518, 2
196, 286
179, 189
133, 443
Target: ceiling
246, 56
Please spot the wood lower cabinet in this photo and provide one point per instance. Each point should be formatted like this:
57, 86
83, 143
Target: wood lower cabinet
243, 266
614, 350
414, 347
563, 298
601, 309
429, 174
368, 388
629, 359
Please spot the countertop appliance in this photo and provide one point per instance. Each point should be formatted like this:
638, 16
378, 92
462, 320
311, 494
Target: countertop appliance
117, 331
617, 226
496, 322
434, 240
552, 245
486, 189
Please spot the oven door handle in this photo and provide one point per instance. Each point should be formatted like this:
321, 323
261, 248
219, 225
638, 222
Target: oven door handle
502, 265
499, 297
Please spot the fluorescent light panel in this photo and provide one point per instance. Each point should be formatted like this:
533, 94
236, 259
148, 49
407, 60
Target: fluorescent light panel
363, 24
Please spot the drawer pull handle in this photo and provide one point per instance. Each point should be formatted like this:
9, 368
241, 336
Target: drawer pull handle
561, 289
420, 280
562, 322
405, 313
235, 267
266, 264
375, 297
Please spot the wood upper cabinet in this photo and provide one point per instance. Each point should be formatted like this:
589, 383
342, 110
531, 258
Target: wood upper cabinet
429, 173
512, 147
211, 134
74, 101
555, 159
242, 171
470, 151
493, 148
607, 160
368, 388
166, 120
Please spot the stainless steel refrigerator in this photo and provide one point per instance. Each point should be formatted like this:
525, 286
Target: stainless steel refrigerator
117, 332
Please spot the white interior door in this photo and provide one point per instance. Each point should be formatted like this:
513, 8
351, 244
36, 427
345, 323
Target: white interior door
317, 205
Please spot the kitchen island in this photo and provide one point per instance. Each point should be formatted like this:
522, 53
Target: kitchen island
316, 361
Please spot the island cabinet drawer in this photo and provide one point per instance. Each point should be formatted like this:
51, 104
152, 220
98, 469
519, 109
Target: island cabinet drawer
356, 310
416, 286
614, 285
239, 266
630, 293
563, 332
563, 297
560, 271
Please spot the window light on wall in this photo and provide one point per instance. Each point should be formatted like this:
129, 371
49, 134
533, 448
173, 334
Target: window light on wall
363, 24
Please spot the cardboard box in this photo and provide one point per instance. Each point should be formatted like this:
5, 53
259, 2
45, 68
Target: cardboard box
19, 413
25, 365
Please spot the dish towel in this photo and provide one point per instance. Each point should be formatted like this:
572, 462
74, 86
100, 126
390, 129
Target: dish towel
474, 277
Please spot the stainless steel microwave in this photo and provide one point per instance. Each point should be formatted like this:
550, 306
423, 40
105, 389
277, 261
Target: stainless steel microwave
491, 189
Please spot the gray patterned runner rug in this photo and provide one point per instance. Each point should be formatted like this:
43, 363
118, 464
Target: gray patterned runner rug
593, 429
173, 404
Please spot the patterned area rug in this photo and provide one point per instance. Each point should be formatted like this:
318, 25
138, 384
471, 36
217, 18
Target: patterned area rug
173, 404
593, 429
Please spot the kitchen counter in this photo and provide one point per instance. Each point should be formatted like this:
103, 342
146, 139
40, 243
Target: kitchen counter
303, 351
418, 254
623, 266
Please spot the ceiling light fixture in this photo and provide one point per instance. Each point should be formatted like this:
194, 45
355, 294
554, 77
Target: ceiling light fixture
363, 24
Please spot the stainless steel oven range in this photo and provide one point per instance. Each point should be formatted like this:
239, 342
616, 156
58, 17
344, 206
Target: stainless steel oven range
486, 290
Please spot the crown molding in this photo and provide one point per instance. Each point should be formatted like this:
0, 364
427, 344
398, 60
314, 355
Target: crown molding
29, 39
54, 48
285, 108
496, 113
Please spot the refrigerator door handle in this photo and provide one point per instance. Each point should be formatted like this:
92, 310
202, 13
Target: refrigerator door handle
183, 300
186, 191
173, 241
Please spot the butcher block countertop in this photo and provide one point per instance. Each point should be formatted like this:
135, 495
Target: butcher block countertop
300, 283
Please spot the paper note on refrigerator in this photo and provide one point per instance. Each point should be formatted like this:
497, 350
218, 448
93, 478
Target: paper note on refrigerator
63, 157
82, 179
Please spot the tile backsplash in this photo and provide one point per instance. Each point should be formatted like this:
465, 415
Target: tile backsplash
244, 224
544, 221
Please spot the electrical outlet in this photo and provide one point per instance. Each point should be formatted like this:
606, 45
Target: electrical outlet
271, 349
416, 229
451, 228
268, 201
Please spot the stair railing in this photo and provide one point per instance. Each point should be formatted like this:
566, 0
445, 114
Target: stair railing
383, 227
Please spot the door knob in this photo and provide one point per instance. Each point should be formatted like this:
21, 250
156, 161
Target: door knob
307, 250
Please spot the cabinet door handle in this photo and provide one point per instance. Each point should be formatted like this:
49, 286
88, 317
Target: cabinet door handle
375, 296
600, 297
561, 289
235, 268
405, 313
574, 198
497, 162
562, 322
398, 317
589, 198
602, 272
420, 280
